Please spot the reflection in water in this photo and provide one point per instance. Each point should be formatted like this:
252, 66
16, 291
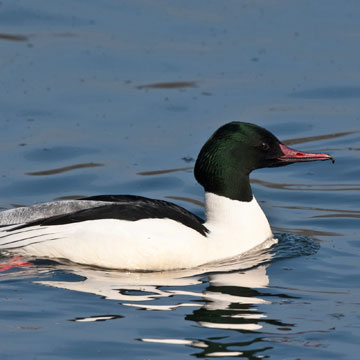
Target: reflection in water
95, 318
307, 187
217, 348
311, 233
64, 169
230, 300
330, 92
228, 295
210, 346
165, 171
316, 138
11, 37
169, 85
186, 199
336, 213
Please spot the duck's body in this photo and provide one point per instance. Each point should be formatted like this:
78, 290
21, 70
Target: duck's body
136, 233
165, 237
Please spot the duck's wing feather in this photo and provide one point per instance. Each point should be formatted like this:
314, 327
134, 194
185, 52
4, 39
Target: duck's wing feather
25, 214
123, 207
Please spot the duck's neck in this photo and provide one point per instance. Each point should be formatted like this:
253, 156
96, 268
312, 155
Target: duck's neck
239, 224
234, 186
222, 179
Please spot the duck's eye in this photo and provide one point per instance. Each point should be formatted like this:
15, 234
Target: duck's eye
265, 146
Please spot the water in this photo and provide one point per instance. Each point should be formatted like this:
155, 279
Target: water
107, 98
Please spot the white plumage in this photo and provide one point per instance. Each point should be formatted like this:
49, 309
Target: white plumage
146, 244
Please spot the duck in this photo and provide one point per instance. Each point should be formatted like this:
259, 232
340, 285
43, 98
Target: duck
135, 233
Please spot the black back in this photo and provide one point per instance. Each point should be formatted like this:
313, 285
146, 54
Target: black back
126, 207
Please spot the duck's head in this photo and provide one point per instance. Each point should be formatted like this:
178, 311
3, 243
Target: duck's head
237, 148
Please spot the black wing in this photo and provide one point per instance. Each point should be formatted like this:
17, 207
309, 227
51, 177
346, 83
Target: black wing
126, 207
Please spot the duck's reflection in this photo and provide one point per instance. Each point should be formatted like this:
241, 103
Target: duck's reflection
221, 296
131, 288
232, 299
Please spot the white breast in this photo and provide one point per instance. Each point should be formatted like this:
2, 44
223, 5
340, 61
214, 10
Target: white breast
237, 226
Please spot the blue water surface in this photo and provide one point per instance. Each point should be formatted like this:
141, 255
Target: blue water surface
106, 97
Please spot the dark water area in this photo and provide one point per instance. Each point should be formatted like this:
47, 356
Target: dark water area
117, 98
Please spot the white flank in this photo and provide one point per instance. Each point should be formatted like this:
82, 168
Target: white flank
147, 244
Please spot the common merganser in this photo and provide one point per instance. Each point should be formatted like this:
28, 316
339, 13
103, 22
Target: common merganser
137, 233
